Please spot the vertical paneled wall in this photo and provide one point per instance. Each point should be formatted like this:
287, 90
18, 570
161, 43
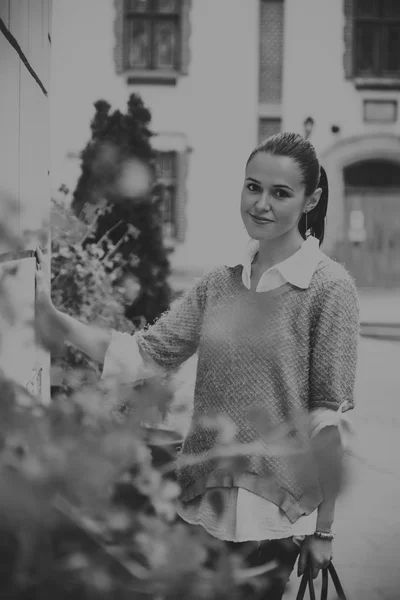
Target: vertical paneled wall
25, 43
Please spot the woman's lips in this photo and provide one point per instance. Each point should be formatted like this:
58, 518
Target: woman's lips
260, 220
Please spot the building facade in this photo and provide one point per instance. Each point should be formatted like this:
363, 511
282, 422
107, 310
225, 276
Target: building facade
341, 68
200, 82
218, 76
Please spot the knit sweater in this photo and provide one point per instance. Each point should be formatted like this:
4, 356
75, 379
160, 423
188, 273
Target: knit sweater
280, 351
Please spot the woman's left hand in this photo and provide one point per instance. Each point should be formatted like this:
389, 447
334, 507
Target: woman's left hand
315, 553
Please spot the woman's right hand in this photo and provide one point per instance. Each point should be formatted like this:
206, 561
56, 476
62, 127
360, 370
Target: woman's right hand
42, 276
50, 332
53, 327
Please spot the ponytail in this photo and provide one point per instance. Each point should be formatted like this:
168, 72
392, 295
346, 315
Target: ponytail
316, 218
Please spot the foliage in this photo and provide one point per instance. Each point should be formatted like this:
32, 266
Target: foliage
88, 508
88, 504
117, 175
83, 278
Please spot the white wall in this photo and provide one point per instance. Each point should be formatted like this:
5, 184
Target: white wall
215, 106
314, 80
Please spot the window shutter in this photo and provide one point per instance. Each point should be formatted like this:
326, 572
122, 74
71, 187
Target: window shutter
348, 7
119, 36
181, 195
268, 126
271, 51
186, 29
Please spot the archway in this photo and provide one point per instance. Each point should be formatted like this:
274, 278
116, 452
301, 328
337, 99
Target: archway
364, 211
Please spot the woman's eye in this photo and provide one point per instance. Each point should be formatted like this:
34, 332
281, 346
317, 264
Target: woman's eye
252, 187
281, 194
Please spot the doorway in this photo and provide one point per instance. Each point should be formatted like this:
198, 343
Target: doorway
372, 223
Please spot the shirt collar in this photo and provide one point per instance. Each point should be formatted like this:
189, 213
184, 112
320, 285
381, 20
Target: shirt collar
298, 269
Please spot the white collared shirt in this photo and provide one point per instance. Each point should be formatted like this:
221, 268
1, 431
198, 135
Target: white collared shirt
297, 270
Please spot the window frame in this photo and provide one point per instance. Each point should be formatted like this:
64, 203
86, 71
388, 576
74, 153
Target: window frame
144, 75
153, 17
271, 120
179, 201
381, 25
166, 183
379, 78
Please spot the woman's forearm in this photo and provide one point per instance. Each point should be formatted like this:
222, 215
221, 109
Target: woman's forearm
329, 457
326, 515
90, 339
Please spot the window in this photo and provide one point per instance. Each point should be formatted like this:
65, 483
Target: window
373, 173
376, 45
380, 111
268, 126
152, 39
172, 171
271, 51
166, 164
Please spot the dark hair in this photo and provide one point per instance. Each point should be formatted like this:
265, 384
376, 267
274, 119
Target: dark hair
314, 176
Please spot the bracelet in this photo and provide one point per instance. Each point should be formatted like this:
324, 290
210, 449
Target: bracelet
323, 535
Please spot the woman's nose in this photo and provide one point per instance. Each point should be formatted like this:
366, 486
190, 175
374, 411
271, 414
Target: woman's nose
263, 202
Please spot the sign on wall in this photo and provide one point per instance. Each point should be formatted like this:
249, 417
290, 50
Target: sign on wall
357, 232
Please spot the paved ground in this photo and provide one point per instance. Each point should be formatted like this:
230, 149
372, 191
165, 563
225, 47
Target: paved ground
367, 546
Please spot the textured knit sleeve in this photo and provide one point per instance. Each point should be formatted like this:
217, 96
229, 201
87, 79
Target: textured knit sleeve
334, 344
175, 336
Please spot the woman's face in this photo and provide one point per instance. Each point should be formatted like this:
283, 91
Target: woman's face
273, 196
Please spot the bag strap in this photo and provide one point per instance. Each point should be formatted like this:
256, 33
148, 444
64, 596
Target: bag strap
311, 585
308, 579
303, 586
324, 589
336, 582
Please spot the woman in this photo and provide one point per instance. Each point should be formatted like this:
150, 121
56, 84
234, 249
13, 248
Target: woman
277, 333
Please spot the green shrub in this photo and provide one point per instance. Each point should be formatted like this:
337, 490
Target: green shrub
117, 174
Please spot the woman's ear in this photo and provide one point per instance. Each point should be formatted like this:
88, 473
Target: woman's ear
313, 200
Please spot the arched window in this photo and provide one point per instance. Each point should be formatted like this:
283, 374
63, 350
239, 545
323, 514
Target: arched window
373, 173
